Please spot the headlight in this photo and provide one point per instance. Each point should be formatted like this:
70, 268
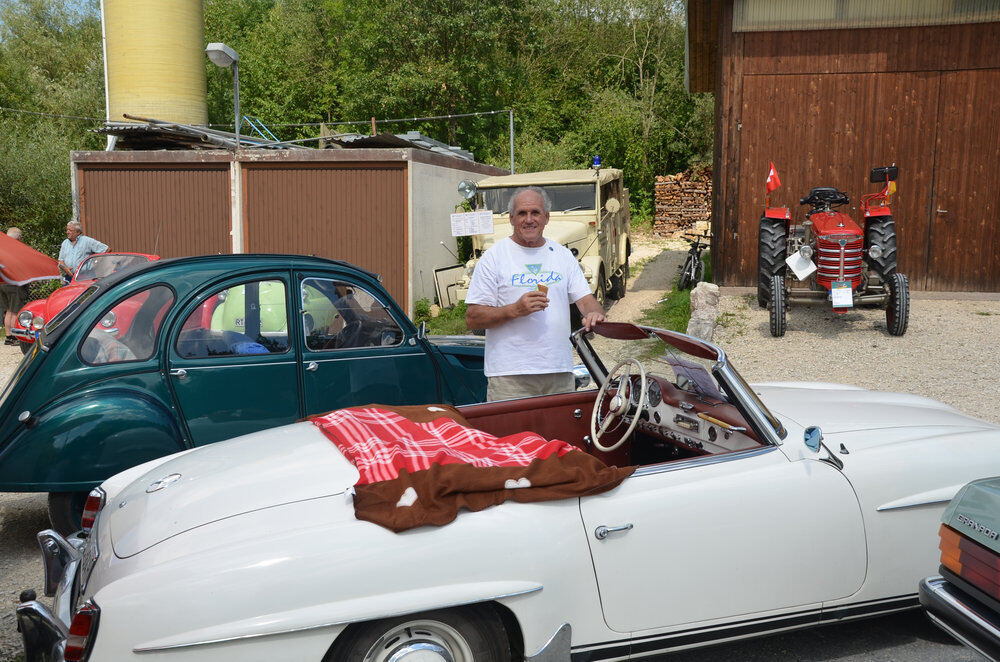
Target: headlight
806, 252
875, 251
109, 320
37, 322
24, 318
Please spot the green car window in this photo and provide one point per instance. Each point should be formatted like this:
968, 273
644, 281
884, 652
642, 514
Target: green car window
129, 330
250, 318
340, 315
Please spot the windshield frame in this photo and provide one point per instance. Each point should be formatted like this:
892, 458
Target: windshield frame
764, 423
566, 197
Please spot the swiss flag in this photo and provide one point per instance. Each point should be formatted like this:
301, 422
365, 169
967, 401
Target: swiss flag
772, 181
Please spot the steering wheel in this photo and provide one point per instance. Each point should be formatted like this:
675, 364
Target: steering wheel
347, 337
618, 404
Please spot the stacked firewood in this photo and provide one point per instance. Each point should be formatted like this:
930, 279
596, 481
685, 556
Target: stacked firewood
683, 205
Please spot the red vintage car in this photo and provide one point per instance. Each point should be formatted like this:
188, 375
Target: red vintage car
39, 312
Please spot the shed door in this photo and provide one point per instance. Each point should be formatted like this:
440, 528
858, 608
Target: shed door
964, 242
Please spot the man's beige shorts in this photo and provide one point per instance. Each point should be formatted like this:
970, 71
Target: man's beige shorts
507, 387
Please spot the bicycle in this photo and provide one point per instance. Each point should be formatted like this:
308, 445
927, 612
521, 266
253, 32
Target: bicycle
693, 269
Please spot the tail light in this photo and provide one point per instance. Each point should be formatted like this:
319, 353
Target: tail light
971, 561
95, 501
81, 632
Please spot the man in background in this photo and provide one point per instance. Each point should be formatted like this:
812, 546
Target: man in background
76, 248
527, 341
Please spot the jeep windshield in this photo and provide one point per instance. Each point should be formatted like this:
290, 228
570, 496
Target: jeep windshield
565, 197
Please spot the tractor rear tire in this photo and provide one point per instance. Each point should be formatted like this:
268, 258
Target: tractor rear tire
897, 310
778, 306
881, 230
772, 248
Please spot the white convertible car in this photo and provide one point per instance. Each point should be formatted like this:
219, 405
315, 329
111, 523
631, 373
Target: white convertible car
751, 509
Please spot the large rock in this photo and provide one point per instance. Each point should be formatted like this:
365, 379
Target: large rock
704, 310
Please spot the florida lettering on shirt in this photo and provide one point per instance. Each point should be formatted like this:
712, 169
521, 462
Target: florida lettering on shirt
535, 276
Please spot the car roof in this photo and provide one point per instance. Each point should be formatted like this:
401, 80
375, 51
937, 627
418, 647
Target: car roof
603, 176
262, 260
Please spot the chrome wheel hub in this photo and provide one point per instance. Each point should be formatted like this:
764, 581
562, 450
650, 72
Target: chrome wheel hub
421, 641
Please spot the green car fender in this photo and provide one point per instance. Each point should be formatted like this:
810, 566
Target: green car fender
75, 442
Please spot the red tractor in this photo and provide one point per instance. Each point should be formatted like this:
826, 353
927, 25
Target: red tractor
855, 265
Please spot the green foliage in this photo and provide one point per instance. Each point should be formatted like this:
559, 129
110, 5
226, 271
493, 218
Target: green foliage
584, 77
42, 289
50, 62
673, 313
449, 322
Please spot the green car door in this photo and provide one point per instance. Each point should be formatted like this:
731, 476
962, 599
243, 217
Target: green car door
232, 364
359, 349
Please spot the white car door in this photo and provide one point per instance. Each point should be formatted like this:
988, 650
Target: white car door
724, 536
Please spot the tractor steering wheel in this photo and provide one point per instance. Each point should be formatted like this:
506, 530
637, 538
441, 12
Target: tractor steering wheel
618, 404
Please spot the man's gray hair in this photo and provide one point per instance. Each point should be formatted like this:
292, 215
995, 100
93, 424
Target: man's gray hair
76, 225
546, 200
14, 233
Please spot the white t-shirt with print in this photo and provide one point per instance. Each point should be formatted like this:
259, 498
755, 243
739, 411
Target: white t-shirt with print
537, 343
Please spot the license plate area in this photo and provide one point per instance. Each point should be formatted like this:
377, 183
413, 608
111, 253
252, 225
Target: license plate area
841, 294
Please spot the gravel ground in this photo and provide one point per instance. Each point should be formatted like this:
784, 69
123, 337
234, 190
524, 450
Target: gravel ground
948, 353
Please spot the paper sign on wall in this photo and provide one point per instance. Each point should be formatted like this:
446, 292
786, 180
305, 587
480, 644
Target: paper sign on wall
472, 222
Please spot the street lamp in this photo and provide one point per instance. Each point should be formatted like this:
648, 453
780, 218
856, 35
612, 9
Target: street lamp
224, 56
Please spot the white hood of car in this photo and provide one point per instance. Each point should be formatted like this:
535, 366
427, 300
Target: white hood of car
839, 409
261, 470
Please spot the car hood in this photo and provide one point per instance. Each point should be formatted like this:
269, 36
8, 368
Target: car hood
261, 470
839, 409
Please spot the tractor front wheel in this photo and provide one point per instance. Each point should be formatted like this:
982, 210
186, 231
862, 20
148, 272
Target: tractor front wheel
881, 231
772, 249
897, 310
778, 306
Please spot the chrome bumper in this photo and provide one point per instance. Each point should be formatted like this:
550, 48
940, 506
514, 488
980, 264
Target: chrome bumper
44, 630
962, 617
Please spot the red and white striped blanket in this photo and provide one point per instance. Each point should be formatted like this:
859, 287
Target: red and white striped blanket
421, 467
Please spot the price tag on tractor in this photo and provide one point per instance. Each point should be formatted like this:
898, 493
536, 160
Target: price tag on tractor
841, 294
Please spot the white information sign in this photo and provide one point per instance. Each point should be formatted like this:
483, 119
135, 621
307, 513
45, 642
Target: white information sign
472, 222
841, 294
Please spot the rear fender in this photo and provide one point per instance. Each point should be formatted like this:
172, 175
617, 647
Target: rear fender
74, 443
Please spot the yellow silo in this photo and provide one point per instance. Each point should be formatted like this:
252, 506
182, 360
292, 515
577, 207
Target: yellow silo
154, 60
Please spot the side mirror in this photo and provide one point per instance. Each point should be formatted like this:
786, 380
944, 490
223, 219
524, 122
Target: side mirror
613, 205
813, 438
880, 175
467, 189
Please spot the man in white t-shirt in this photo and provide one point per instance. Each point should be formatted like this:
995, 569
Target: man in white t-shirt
527, 341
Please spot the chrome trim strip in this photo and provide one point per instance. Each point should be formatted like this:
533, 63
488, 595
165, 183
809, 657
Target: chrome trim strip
150, 649
235, 365
361, 358
700, 461
932, 502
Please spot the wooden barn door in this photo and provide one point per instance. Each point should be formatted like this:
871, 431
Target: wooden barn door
964, 237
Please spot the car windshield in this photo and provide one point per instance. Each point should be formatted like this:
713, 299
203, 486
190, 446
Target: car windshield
102, 265
676, 361
565, 197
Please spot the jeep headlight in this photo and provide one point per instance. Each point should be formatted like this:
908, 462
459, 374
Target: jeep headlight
806, 251
875, 251
24, 318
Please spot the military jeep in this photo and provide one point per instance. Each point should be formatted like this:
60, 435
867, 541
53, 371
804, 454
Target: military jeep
590, 216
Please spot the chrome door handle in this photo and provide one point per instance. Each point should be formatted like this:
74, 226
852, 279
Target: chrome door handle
602, 531
178, 372
942, 211
312, 366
